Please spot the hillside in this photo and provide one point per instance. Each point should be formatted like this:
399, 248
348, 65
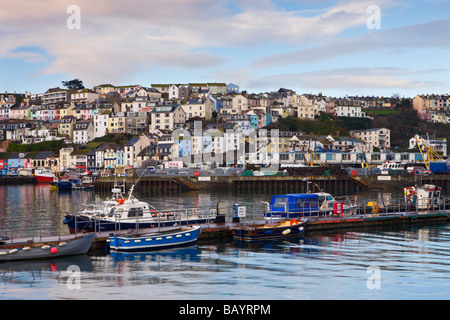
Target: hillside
403, 123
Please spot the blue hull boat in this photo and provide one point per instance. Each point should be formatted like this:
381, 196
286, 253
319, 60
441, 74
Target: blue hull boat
155, 241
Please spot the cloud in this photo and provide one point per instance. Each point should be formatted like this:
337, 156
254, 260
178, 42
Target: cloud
415, 37
347, 79
117, 40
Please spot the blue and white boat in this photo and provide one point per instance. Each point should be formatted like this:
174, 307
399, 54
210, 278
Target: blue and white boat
120, 213
155, 241
298, 205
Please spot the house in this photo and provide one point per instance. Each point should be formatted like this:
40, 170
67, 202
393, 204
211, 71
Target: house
239, 102
232, 88
65, 159
79, 159
46, 159
136, 122
65, 127
377, 137
132, 148
198, 108
56, 96
348, 108
167, 118
167, 151
84, 96
101, 121
116, 122
104, 89
83, 132
438, 145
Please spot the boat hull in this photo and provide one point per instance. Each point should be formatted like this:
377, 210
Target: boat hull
155, 241
44, 178
86, 224
287, 229
76, 246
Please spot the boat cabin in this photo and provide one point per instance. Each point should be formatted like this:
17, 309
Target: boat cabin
296, 202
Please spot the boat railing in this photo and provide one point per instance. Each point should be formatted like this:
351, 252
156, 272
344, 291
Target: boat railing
16, 229
340, 209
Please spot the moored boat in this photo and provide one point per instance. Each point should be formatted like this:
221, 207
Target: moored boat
267, 231
155, 241
46, 250
44, 176
297, 205
427, 196
120, 213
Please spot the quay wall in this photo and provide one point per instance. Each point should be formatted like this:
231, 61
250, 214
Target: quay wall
336, 185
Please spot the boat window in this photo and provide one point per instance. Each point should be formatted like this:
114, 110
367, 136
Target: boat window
280, 202
111, 213
135, 212
321, 199
328, 197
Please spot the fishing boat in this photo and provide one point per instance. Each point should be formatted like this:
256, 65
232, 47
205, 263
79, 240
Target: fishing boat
44, 176
267, 231
120, 213
297, 205
155, 241
86, 182
64, 184
46, 250
427, 196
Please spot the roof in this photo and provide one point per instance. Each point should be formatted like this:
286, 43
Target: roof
132, 141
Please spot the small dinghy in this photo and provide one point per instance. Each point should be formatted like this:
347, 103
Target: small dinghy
267, 231
46, 250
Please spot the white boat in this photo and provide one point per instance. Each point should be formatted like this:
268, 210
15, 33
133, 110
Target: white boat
392, 165
120, 213
44, 175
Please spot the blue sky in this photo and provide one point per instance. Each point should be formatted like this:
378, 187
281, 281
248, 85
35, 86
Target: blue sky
262, 45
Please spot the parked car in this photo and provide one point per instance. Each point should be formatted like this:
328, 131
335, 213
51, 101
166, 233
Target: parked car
420, 171
123, 174
150, 170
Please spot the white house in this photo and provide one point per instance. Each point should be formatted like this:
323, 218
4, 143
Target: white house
83, 132
438, 144
84, 96
101, 124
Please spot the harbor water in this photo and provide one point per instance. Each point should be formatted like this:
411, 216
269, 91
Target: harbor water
402, 262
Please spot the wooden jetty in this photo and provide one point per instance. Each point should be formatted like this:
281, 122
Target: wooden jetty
222, 231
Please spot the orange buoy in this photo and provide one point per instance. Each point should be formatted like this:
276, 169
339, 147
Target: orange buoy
293, 221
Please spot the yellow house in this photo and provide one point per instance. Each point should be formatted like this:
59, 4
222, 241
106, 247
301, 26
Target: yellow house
65, 127
116, 123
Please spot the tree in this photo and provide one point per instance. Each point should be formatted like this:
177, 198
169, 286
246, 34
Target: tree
73, 84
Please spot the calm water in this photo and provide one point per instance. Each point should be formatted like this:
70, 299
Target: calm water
389, 263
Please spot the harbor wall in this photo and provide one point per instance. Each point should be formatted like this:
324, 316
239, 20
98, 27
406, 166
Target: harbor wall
336, 185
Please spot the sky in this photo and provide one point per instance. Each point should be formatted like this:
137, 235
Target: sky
338, 48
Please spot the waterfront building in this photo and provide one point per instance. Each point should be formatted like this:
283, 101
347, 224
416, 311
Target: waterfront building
376, 137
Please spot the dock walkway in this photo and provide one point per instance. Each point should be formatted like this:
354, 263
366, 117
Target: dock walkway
220, 231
